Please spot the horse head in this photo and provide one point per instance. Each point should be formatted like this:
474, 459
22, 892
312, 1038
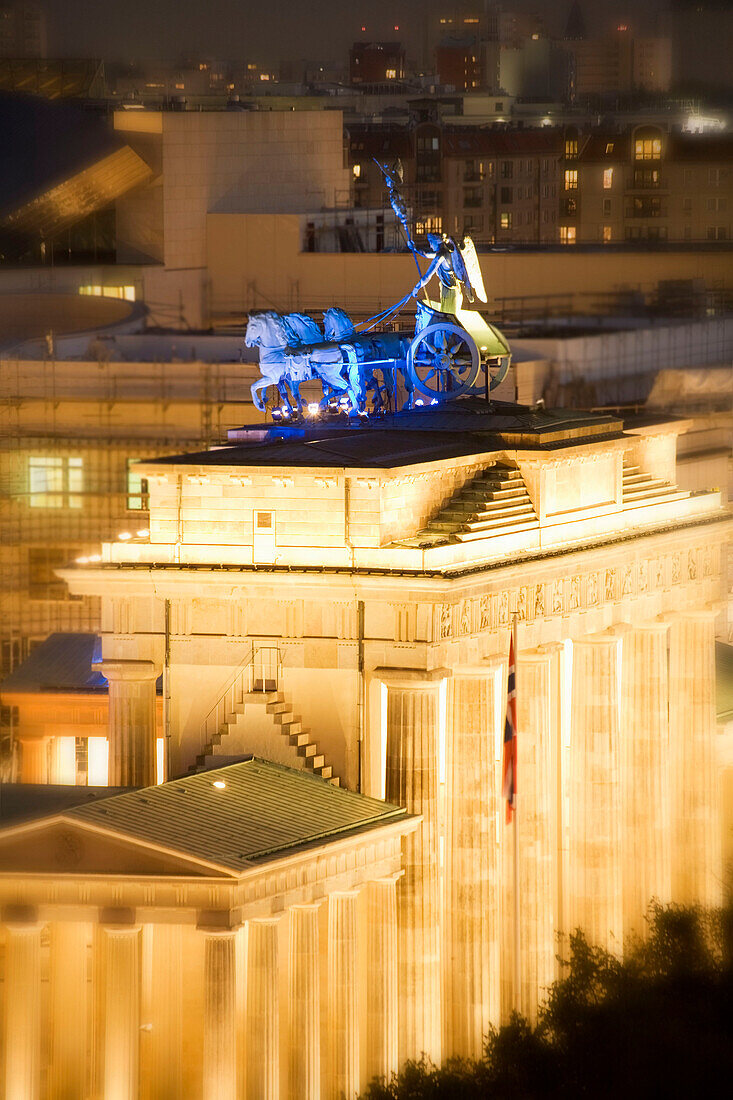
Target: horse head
302, 329
265, 329
337, 325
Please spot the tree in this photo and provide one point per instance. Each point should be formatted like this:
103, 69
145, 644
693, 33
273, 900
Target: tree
657, 1023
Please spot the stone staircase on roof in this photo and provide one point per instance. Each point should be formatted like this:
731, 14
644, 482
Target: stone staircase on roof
495, 502
640, 489
300, 749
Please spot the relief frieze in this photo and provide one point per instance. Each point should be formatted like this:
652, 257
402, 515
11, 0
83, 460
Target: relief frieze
579, 592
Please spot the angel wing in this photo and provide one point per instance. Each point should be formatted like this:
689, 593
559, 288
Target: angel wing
473, 267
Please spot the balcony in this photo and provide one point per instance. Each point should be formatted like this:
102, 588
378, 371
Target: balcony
645, 210
640, 183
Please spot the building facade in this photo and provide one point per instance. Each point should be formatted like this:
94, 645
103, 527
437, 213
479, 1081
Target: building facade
363, 584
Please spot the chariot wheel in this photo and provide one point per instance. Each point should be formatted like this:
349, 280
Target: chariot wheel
443, 361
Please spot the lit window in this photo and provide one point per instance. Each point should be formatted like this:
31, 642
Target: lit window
609, 148
55, 482
505, 219
607, 179
127, 292
137, 489
357, 171
571, 179
648, 149
571, 147
264, 76
391, 74
567, 234
606, 234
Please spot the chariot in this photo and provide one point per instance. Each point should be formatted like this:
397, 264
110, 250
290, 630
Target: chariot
447, 355
451, 352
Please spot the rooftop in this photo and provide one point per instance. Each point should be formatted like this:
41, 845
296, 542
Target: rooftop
426, 434
238, 816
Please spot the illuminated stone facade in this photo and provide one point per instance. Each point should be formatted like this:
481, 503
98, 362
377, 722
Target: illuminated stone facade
341, 599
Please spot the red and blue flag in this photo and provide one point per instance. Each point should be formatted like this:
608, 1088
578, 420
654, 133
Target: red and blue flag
509, 758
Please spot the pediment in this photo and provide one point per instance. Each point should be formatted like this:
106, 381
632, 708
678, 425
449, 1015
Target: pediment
60, 846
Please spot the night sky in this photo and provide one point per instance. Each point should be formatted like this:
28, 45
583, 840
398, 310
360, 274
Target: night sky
272, 30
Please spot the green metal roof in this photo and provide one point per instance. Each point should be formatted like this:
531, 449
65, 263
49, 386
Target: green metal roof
724, 681
262, 812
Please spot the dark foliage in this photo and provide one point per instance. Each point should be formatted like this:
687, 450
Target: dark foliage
658, 1023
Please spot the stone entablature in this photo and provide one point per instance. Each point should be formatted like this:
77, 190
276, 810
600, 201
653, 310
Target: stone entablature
222, 511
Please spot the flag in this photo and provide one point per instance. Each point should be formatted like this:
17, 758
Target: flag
509, 759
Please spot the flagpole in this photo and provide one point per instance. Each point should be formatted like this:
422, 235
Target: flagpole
517, 960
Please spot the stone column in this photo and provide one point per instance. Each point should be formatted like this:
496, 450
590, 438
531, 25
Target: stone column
696, 865
132, 750
305, 1005
412, 781
537, 798
473, 889
34, 759
22, 1008
343, 1012
122, 1011
594, 856
220, 1032
263, 1021
381, 991
166, 994
70, 991
645, 772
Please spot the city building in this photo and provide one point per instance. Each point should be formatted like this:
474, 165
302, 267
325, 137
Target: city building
355, 589
647, 185
22, 31
376, 62
132, 919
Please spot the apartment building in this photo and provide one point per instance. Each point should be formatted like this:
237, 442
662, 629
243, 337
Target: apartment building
549, 186
499, 186
647, 185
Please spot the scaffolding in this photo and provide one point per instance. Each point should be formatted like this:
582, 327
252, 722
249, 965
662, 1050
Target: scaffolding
78, 424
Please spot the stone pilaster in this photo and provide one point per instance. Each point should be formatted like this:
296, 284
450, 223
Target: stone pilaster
472, 905
69, 1010
122, 1011
594, 795
645, 771
23, 1010
343, 1012
220, 1032
381, 991
305, 1006
696, 866
263, 1020
412, 781
132, 755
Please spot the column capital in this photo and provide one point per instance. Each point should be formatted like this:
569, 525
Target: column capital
489, 668
606, 637
708, 613
21, 918
122, 670
118, 920
221, 922
415, 678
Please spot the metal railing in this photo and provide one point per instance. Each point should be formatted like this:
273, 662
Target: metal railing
260, 671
